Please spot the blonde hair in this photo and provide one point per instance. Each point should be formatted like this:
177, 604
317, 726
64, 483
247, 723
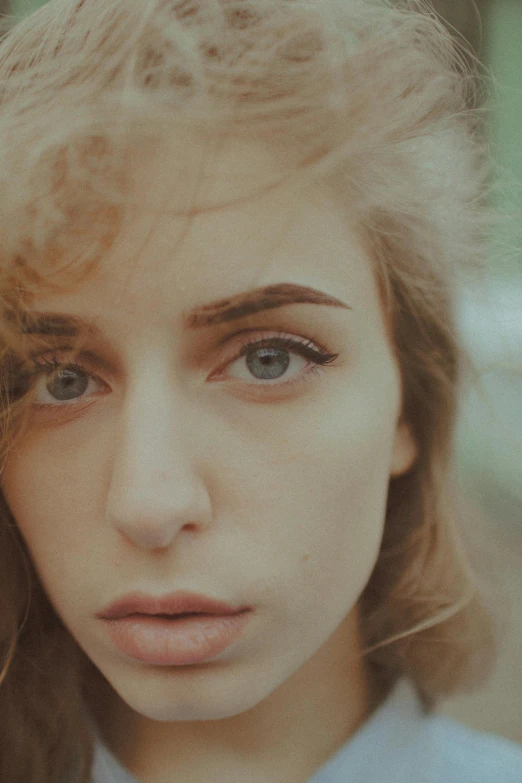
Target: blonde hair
370, 98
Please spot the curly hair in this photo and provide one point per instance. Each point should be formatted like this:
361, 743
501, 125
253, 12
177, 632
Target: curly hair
368, 98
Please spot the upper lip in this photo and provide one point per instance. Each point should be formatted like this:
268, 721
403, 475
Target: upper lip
173, 603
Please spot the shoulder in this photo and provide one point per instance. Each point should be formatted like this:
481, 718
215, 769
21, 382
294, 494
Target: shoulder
401, 743
468, 756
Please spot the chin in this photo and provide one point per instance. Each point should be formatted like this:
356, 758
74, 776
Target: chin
183, 695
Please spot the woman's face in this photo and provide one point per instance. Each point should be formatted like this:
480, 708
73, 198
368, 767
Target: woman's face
173, 461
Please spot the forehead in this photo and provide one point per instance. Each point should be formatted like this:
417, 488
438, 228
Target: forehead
207, 223
188, 171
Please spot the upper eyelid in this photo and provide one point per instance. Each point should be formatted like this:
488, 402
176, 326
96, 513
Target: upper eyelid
93, 360
261, 335
88, 360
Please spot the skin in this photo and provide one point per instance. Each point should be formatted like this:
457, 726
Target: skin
160, 478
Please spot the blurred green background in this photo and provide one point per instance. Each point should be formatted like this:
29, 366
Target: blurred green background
489, 438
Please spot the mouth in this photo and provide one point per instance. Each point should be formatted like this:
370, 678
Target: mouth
178, 605
177, 616
181, 639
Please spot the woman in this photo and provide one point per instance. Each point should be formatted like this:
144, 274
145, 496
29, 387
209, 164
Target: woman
230, 238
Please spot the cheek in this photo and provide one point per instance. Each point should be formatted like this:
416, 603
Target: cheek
50, 503
323, 503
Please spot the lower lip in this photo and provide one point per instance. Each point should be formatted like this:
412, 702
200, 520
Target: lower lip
164, 642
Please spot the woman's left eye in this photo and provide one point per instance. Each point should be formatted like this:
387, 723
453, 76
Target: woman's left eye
271, 360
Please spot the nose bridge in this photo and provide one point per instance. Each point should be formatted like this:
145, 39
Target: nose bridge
154, 488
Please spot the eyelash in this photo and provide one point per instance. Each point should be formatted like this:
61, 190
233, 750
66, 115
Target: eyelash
306, 349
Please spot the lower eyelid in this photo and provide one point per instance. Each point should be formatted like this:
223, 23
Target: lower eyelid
60, 414
267, 392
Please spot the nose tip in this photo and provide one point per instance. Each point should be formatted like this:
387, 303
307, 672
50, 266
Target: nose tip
153, 535
150, 505
153, 521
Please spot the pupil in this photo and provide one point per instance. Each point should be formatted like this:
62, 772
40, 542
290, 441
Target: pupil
268, 363
68, 384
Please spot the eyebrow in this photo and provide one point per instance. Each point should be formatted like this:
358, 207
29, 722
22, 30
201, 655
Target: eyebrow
266, 298
222, 311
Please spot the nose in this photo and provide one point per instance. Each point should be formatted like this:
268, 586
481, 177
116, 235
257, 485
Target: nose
155, 490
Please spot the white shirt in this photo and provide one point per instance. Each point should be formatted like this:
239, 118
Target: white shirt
399, 743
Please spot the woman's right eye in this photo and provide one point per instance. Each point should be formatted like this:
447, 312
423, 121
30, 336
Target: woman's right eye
66, 385
53, 382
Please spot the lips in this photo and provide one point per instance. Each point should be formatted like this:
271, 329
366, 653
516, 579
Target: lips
171, 605
152, 640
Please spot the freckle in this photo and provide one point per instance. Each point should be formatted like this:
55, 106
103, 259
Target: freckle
305, 557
